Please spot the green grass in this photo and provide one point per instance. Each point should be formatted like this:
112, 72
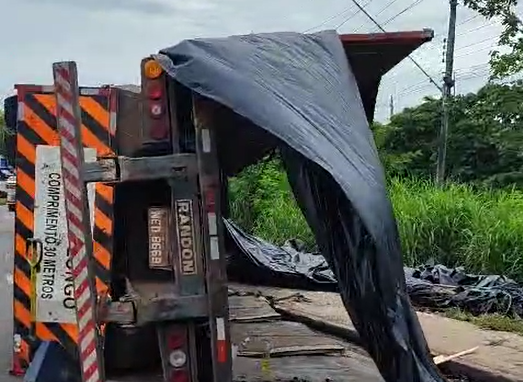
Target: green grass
456, 225
263, 204
488, 321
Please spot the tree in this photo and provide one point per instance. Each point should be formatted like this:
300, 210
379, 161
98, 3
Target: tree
510, 62
484, 143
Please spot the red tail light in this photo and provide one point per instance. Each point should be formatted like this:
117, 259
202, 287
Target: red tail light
176, 339
180, 376
175, 353
158, 130
156, 101
154, 90
210, 199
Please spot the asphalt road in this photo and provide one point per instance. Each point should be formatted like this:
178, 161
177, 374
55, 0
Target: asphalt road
6, 293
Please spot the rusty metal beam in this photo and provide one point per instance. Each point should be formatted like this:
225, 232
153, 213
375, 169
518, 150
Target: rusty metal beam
125, 169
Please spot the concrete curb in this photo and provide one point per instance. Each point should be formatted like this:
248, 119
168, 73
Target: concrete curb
453, 367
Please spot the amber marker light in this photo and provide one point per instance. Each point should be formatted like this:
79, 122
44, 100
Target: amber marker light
152, 69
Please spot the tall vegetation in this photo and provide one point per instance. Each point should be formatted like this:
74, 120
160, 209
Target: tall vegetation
456, 225
262, 203
475, 221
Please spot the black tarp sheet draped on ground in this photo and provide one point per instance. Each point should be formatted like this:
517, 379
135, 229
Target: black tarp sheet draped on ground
439, 287
301, 90
253, 260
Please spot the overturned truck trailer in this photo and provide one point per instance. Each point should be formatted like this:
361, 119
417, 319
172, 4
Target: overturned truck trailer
308, 95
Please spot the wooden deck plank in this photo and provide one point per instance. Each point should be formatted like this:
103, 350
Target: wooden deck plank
297, 353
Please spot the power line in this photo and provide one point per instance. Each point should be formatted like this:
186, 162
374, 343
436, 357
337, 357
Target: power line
389, 4
478, 42
472, 72
470, 76
408, 8
386, 7
479, 69
361, 8
354, 14
475, 29
421, 86
393, 75
414, 89
330, 19
467, 20
476, 51
409, 57
414, 4
473, 67
418, 87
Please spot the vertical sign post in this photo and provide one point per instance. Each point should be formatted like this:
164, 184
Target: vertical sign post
68, 118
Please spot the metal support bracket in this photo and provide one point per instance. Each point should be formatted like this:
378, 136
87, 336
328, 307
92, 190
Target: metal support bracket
161, 308
121, 312
125, 169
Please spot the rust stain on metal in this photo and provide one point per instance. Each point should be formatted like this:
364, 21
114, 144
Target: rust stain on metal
159, 238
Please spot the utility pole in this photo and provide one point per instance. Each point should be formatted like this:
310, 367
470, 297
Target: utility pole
448, 84
391, 106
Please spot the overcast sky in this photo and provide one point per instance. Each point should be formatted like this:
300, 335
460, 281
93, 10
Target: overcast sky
108, 38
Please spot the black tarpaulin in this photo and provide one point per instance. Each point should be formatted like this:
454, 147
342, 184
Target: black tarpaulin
301, 90
253, 260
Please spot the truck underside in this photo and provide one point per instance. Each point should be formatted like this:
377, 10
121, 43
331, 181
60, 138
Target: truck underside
383, 50
267, 346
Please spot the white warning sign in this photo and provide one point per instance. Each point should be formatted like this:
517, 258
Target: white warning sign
54, 280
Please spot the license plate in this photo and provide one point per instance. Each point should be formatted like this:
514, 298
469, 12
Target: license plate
159, 238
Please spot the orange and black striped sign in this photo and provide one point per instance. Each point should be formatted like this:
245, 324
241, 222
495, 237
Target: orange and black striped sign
37, 126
